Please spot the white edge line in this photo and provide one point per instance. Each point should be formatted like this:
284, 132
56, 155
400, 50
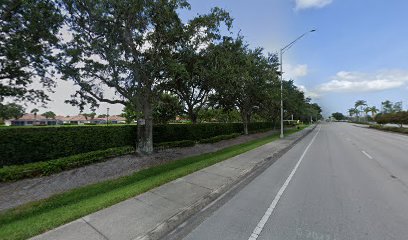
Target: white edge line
368, 155
258, 229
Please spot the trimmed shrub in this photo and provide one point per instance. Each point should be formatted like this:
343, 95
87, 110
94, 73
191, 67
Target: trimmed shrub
219, 138
33, 144
19, 145
11, 173
177, 132
393, 118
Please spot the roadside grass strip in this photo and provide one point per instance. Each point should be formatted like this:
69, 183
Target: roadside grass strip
37, 217
390, 129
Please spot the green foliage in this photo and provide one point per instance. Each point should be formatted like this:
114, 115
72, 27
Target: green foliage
218, 115
393, 118
33, 144
34, 111
196, 132
28, 220
219, 138
130, 114
166, 109
390, 129
389, 107
177, 132
28, 36
16, 172
192, 69
89, 116
338, 116
11, 110
353, 112
245, 76
49, 114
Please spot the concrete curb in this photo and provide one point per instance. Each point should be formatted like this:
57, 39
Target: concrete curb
179, 218
156, 213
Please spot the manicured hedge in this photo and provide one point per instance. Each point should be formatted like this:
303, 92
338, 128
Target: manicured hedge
177, 132
19, 145
219, 138
16, 172
33, 144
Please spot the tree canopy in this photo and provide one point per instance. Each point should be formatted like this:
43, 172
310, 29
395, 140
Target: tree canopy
338, 116
144, 56
28, 36
49, 115
11, 110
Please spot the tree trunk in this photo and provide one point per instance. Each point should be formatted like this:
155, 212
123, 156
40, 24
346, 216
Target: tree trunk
192, 115
244, 117
144, 143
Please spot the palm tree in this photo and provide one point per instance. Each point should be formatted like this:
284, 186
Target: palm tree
366, 111
35, 111
374, 111
49, 114
359, 106
351, 112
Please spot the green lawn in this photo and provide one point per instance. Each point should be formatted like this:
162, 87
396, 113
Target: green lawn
390, 129
34, 218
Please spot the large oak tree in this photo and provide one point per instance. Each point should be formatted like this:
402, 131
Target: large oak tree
193, 70
126, 46
28, 38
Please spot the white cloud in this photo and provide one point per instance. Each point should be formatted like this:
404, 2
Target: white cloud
364, 82
308, 93
301, 70
304, 4
294, 72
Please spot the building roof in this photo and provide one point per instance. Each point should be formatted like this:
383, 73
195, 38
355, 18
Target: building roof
116, 118
75, 118
32, 117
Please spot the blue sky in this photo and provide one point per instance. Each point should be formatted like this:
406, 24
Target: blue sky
360, 49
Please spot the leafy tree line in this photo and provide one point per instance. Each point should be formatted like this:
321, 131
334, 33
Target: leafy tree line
392, 113
399, 118
363, 112
338, 116
157, 65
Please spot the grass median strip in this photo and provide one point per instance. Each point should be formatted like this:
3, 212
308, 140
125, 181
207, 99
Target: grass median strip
32, 219
390, 129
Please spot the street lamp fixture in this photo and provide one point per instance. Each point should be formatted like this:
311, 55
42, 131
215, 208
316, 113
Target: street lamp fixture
282, 51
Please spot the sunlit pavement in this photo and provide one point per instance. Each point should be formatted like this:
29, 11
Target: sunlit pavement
352, 183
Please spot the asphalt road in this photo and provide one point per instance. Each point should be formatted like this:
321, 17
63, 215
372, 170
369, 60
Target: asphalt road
340, 182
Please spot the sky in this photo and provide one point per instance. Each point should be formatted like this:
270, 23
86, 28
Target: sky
359, 50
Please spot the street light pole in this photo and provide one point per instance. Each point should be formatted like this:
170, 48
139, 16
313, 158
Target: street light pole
281, 92
282, 51
107, 116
